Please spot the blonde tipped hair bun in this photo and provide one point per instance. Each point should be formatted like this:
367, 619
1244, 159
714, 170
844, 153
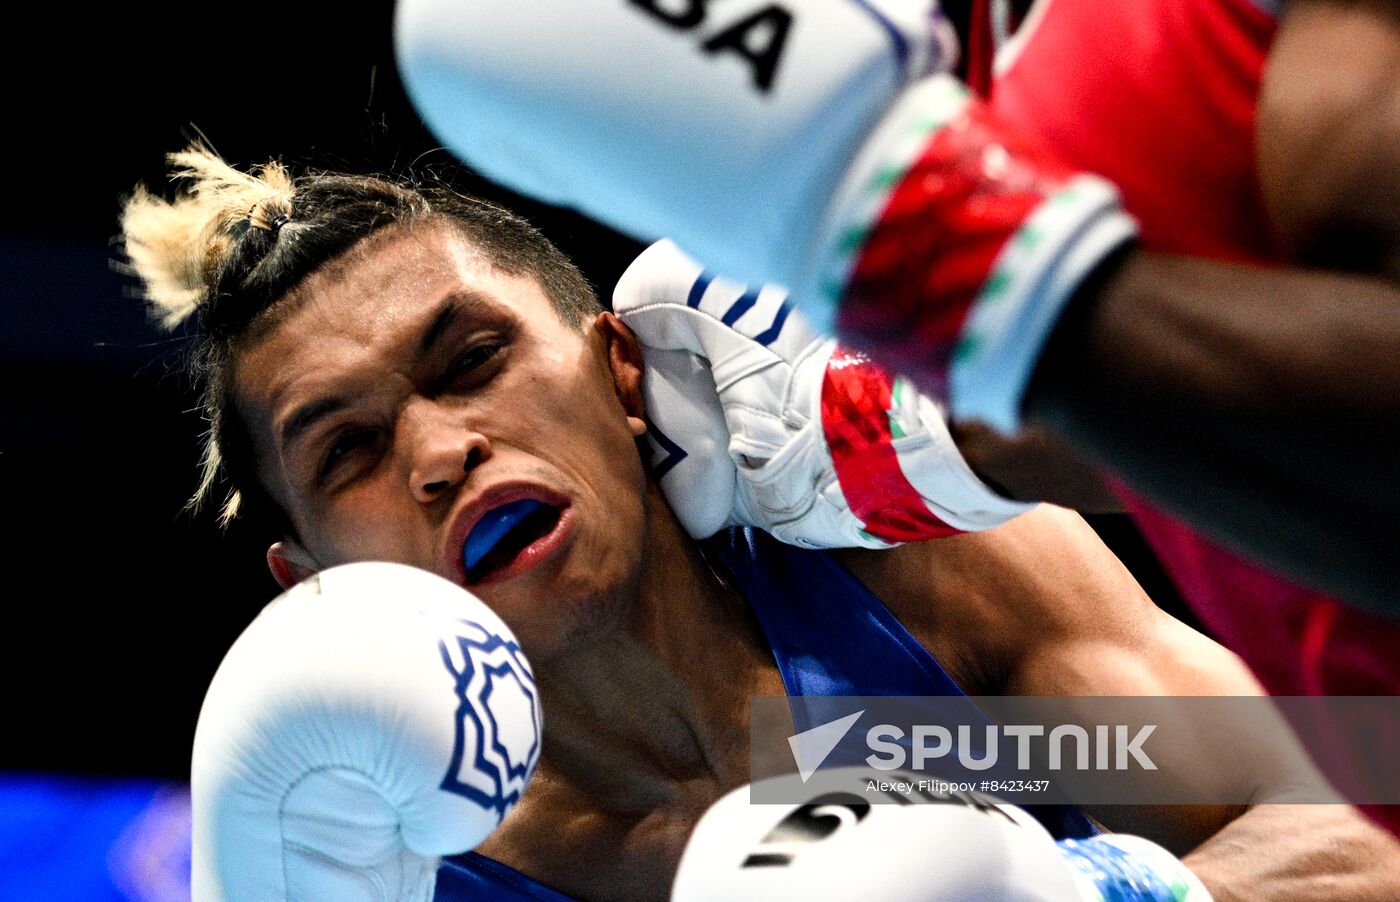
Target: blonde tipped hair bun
176, 247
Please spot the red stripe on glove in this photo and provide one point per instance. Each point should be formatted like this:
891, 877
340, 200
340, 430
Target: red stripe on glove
928, 256
856, 398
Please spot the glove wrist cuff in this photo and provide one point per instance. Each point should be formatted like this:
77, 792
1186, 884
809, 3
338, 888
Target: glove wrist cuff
1029, 286
953, 245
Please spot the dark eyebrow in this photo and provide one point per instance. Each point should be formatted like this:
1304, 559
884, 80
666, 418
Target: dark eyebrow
461, 303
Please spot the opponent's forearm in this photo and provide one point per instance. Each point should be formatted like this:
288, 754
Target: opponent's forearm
1036, 465
1299, 853
1254, 402
1279, 341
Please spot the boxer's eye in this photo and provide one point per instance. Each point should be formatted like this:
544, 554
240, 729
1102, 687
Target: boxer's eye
344, 444
471, 364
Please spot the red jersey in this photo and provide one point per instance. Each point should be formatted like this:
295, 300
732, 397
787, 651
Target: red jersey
1160, 96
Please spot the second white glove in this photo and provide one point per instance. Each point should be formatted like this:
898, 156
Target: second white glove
372, 719
851, 842
761, 422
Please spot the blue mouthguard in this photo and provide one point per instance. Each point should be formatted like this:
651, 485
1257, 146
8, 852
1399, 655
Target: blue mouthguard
493, 527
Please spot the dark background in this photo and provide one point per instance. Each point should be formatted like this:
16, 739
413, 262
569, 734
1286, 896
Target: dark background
118, 604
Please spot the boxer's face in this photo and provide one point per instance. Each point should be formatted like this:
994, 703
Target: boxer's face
416, 395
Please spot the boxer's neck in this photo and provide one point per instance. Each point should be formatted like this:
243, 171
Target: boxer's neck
646, 725
659, 703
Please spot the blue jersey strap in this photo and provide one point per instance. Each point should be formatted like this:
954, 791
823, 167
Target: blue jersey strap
829, 634
831, 637
476, 878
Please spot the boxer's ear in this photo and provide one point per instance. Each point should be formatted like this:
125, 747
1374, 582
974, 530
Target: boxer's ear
289, 563
625, 364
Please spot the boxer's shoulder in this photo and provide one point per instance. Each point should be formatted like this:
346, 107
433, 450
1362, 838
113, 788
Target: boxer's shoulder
938, 591
985, 604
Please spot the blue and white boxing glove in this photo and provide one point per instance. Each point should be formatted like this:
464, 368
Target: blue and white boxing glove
1118, 867
816, 144
370, 720
759, 421
961, 847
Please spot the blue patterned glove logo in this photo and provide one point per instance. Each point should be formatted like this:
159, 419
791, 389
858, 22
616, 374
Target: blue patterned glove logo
661, 454
498, 718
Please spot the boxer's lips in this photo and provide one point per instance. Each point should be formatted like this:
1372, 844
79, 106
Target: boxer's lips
508, 532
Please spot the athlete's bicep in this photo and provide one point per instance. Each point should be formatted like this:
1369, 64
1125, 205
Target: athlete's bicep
1133, 651
1328, 129
1236, 761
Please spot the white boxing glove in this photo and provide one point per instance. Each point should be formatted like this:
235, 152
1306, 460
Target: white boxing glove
758, 421
650, 113
815, 144
959, 847
370, 720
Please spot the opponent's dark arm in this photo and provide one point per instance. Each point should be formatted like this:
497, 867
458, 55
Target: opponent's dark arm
1259, 403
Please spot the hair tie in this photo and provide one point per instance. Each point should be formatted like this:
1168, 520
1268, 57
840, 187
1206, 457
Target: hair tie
257, 217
